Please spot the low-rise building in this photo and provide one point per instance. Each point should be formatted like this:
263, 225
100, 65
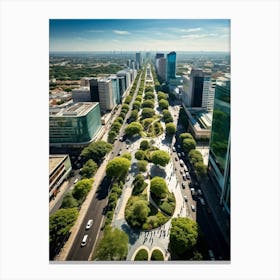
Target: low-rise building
59, 169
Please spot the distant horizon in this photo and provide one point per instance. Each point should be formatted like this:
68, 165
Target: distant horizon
165, 35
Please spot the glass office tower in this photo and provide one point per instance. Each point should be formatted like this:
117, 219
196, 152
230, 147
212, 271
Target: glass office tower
171, 66
77, 124
219, 155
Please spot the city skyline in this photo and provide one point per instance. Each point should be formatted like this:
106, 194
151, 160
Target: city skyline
139, 35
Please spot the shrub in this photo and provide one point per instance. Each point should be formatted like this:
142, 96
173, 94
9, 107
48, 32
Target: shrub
142, 255
157, 255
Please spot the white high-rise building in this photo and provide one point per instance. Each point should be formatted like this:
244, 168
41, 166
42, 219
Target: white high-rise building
105, 94
208, 94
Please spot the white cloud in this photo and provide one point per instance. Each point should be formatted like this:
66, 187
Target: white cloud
197, 36
121, 32
192, 29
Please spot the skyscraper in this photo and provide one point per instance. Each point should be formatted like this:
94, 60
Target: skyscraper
138, 60
171, 66
94, 93
106, 99
219, 154
162, 68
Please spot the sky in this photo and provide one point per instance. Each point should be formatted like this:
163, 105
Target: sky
139, 35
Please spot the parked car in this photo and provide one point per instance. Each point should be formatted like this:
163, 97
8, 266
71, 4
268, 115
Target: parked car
176, 158
184, 177
89, 224
185, 168
192, 191
173, 149
193, 208
179, 155
183, 185
183, 154
202, 201
185, 198
211, 255
199, 191
181, 171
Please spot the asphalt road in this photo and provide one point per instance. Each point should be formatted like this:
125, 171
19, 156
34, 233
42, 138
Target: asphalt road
97, 205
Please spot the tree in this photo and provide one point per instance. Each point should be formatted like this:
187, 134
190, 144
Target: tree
200, 168
160, 157
69, 201
82, 188
195, 156
162, 95
112, 135
127, 155
136, 105
117, 167
119, 120
183, 235
142, 165
140, 155
116, 126
145, 145
189, 144
149, 95
170, 128
147, 122
127, 99
147, 113
139, 184
96, 150
167, 117
133, 116
89, 169
133, 128
148, 104
125, 108
61, 222
158, 187
185, 136
138, 213
163, 104
113, 246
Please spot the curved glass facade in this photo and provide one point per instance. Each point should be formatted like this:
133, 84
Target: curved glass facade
75, 129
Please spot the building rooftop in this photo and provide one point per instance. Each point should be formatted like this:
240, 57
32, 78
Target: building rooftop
54, 161
77, 109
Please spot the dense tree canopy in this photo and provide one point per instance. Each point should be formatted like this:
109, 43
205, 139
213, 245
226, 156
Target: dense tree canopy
113, 246
160, 157
96, 150
200, 168
185, 135
61, 222
163, 104
189, 144
82, 188
117, 167
137, 213
136, 105
139, 184
158, 187
145, 145
112, 135
142, 165
148, 104
170, 128
140, 155
133, 116
147, 113
162, 95
183, 235
195, 156
69, 201
133, 128
127, 155
89, 169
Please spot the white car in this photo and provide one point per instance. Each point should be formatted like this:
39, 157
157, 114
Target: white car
89, 224
193, 208
199, 191
185, 198
84, 241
